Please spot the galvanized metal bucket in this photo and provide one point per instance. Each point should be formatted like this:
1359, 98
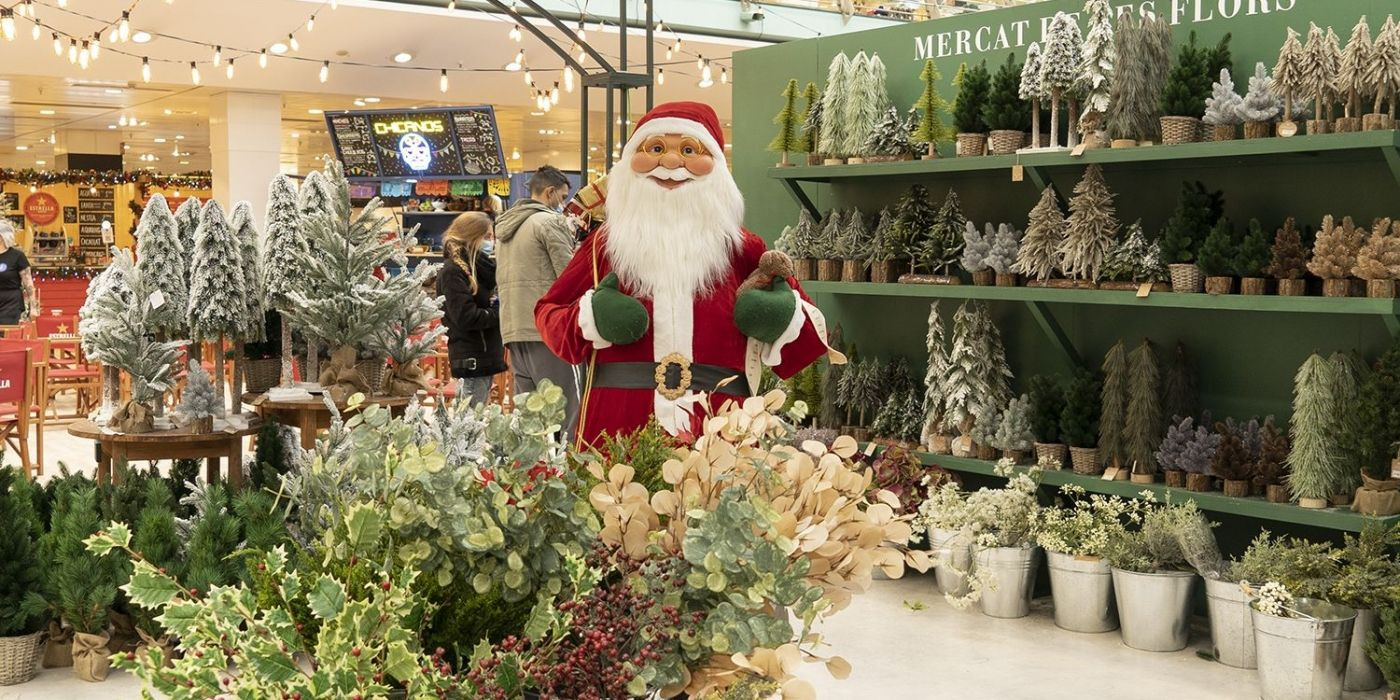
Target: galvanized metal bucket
1302, 658
1154, 609
952, 550
1362, 674
1083, 592
1008, 574
1231, 626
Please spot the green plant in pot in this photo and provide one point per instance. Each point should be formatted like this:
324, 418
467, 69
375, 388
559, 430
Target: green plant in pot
1254, 254
1075, 537
1217, 257
1154, 572
1003, 524
1005, 114
1197, 210
21, 626
1079, 422
1047, 402
1367, 581
974, 87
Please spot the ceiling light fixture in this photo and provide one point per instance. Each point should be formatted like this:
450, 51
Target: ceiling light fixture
403, 57
315, 110
84, 56
194, 73
159, 140
325, 70
293, 43
228, 72
7, 23
660, 76
124, 26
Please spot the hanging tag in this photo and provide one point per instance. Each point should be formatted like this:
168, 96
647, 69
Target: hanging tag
1018, 172
1111, 474
1144, 289
157, 299
1079, 150
870, 449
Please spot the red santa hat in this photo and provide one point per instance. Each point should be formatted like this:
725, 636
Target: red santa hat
689, 118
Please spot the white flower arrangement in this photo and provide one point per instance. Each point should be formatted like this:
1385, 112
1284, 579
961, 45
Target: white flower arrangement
1006, 517
1086, 528
944, 509
1274, 599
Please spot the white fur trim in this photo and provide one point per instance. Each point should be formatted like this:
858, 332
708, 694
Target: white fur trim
773, 354
586, 325
673, 330
674, 125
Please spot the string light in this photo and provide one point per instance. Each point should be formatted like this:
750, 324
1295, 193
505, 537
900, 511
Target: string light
36, 31
519, 61
57, 45
7, 24
63, 3
528, 80
660, 76
113, 35
582, 34
228, 71
451, 4
335, 4
515, 33
194, 73
84, 56
121, 121
262, 59
723, 75
554, 94
700, 62
72, 50
325, 70
311, 24
146, 70
96, 44
442, 81
706, 77
218, 56
124, 26
293, 43
568, 79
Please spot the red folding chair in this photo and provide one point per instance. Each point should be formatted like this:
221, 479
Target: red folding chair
39, 377
16, 400
68, 369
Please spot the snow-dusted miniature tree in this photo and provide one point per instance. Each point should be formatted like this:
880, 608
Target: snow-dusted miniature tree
805, 234
885, 240
1091, 229
915, 217
413, 335
1351, 77
1290, 72
1379, 257
854, 239
1314, 462
116, 331
1334, 251
862, 105
1113, 399
787, 139
1135, 259
961, 380
187, 217
1142, 427
890, 137
199, 399
975, 249
108, 292
1333, 90
944, 242
829, 242
1030, 89
1014, 432
1038, 256
1223, 105
1060, 66
1006, 244
1100, 59
1260, 104
935, 377
218, 307
995, 372
835, 96
1383, 71
245, 231
811, 118
283, 250
160, 260
931, 129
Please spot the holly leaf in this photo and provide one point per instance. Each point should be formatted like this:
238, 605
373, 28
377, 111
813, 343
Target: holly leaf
326, 598
363, 526
179, 617
274, 667
400, 662
149, 588
117, 535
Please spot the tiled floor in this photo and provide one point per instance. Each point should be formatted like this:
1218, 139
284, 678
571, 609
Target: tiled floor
898, 653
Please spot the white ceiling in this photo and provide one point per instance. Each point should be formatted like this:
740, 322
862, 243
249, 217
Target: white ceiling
473, 45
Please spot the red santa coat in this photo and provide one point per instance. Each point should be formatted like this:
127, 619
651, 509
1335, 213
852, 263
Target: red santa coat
702, 329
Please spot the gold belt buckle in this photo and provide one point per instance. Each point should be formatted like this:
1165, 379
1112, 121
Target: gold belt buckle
662, 369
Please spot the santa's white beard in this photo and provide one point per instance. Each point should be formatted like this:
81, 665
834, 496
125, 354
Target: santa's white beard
674, 243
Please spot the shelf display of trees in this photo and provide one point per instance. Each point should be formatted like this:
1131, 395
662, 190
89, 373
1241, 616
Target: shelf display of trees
1038, 257
974, 89
1099, 64
1288, 260
1090, 230
1334, 255
1223, 107
1260, 106
787, 139
1004, 114
1143, 45
1030, 89
931, 129
1378, 261
1060, 66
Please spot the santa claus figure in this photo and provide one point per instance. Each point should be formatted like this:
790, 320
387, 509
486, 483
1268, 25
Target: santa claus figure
668, 306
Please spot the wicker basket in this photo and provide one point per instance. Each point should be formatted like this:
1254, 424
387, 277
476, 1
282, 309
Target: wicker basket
829, 270
1292, 288
1180, 130
1220, 285
1380, 289
1258, 130
19, 658
262, 374
884, 272
971, 145
373, 372
1085, 460
1005, 142
1223, 132
1254, 286
1186, 278
1008, 279
852, 271
1336, 288
1052, 451
984, 278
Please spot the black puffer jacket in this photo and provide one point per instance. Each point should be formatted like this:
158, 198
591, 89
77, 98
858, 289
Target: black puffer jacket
473, 322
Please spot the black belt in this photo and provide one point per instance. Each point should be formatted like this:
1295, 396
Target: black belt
671, 377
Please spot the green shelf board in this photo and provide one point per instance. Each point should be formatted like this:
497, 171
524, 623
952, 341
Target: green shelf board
1356, 306
1298, 150
1258, 508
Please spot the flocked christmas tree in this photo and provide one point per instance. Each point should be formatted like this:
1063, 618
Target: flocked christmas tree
1197, 210
1144, 59
1004, 109
975, 248
1030, 91
1334, 252
1060, 66
941, 248
1014, 433
1254, 251
885, 244
935, 398
890, 137
1006, 244
805, 234
829, 241
1318, 71
411, 336
869, 102
1142, 427
1217, 256
1223, 105
160, 260
962, 389
254, 322
1315, 469
1091, 229
1288, 259
931, 129
1099, 62
995, 377
914, 220
1333, 91
834, 98
1260, 104
854, 238
199, 400
787, 139
187, 217
283, 250
973, 92
1290, 73
1379, 257
1134, 258
1113, 401
218, 307
1038, 256
811, 118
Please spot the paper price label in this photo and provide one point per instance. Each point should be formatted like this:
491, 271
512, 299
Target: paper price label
1144, 289
1078, 150
1110, 474
157, 299
1018, 172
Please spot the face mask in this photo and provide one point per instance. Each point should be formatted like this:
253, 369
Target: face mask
488, 247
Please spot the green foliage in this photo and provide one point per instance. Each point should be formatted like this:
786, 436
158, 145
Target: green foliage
1316, 470
1079, 421
915, 217
183, 474
272, 458
78, 586
1004, 108
1174, 537
1179, 390
944, 243
1047, 397
263, 523
787, 140
211, 536
464, 617
158, 542
1254, 252
1378, 415
1114, 407
645, 449
1217, 255
1370, 573
21, 569
1196, 212
1188, 83
123, 497
1384, 646
1306, 568
811, 118
931, 129
1218, 57
1142, 428
973, 93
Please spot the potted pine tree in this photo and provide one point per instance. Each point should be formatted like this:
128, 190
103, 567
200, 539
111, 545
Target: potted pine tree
1134, 262
1047, 403
1001, 257
1271, 469
1260, 106
1090, 230
889, 140
199, 404
1079, 423
1378, 261
812, 124
974, 86
1251, 259
829, 261
1217, 255
974, 255
1186, 450
1314, 459
940, 247
1144, 48
930, 130
805, 241
1383, 76
884, 250
1038, 256
1188, 84
1060, 67
21, 572
1197, 210
1099, 59
854, 245
787, 140
1334, 255
1013, 435
867, 103
1030, 90
836, 94
1288, 261
1222, 108
1235, 459
80, 587
1004, 114
985, 421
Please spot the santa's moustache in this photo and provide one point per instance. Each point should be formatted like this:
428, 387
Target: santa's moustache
678, 240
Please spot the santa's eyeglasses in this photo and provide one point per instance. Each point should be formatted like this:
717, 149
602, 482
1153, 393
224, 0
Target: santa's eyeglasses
687, 147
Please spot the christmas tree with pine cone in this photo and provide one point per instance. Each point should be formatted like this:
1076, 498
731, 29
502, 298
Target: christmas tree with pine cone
1038, 256
1091, 229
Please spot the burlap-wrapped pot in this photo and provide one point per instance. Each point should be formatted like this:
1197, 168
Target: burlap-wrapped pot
1198, 482
1347, 125
805, 268
885, 272
1175, 478
940, 444
58, 647
90, 662
1085, 460
1005, 142
1374, 497
1237, 488
971, 144
1254, 286
1180, 129
1278, 493
984, 278
123, 634
1052, 451
1186, 278
829, 270
19, 658
166, 645
1009, 279
1380, 289
1336, 288
1220, 285
1292, 288
852, 271
1258, 130
1223, 132
1318, 126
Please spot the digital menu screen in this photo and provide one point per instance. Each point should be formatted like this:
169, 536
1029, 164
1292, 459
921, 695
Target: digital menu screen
458, 142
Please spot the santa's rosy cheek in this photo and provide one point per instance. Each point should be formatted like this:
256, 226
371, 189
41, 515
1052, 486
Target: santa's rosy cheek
700, 166
643, 163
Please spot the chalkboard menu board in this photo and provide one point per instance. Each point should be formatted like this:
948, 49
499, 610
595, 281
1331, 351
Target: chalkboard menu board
454, 143
94, 207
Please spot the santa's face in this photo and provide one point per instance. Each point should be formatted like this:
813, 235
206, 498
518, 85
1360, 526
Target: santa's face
671, 160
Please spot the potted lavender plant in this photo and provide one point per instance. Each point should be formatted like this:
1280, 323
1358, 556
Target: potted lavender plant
1186, 454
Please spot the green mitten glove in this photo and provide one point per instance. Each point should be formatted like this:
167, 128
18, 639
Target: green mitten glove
763, 314
620, 319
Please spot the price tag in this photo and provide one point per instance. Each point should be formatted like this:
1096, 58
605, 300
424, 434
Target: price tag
870, 449
1144, 289
1111, 474
157, 299
1018, 172
1079, 150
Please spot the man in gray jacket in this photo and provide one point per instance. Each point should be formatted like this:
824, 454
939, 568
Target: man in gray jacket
534, 243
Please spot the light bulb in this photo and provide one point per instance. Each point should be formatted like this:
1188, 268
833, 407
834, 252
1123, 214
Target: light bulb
218, 56
228, 70
36, 31
515, 33
660, 76
63, 3
293, 43
581, 33
121, 121
554, 94
7, 24
568, 79
84, 56
335, 4
442, 81
678, 45
515, 154
724, 75
194, 73
146, 70
33, 189
451, 4
57, 45
528, 80
124, 26
72, 50
113, 35
668, 53
700, 62
325, 70
262, 59
96, 45
311, 24
177, 194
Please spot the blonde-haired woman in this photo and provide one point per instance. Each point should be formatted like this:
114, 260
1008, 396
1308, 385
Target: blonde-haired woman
471, 313
17, 302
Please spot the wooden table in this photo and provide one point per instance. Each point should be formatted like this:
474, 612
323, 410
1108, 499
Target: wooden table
177, 443
311, 415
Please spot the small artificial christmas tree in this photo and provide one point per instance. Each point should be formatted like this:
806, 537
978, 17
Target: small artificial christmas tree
200, 403
1113, 402
1379, 257
1318, 70
1060, 66
284, 247
889, 140
1004, 110
1006, 244
1142, 428
943, 244
1091, 229
995, 373
78, 586
1217, 255
155, 538
1378, 415
254, 314
915, 217
187, 217
985, 421
835, 97
1196, 212
1134, 258
1030, 90
211, 535
1038, 256
1223, 105
1271, 468
1290, 73
1188, 83
1014, 433
1047, 402
1079, 421
1144, 58
160, 260
787, 140
973, 93
976, 379
805, 235
934, 378
1260, 105
1334, 253
1382, 72
1179, 391
931, 130
975, 248
218, 306
1099, 63
829, 244
1352, 375
1314, 462
811, 118
1253, 255
885, 244
867, 102
1288, 258
1187, 448
21, 569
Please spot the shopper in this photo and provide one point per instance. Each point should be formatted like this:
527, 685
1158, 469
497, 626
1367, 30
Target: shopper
17, 303
471, 314
535, 245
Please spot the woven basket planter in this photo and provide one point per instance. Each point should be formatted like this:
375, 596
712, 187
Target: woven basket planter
1254, 286
1346, 125
1186, 278
805, 268
1008, 279
884, 272
1292, 288
262, 374
1053, 452
986, 452
1085, 460
1223, 132
1277, 493
1237, 489
19, 658
1175, 478
373, 372
1220, 285
1004, 142
1016, 456
984, 278
852, 271
1199, 483
1180, 130
1258, 130
971, 145
1318, 126
1336, 288
829, 270
1380, 289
